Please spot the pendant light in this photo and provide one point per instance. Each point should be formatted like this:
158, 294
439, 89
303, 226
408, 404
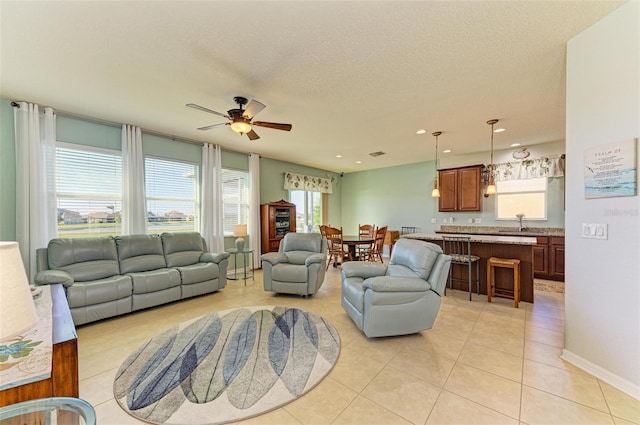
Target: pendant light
435, 193
491, 187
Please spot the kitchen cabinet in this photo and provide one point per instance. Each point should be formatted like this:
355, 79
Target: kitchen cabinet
460, 189
556, 258
276, 220
548, 258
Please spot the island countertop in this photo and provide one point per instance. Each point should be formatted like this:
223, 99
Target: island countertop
509, 240
485, 247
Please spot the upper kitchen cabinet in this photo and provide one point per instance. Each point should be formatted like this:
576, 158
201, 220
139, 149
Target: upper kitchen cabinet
460, 189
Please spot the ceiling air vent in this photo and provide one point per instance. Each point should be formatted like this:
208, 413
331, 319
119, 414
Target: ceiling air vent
379, 153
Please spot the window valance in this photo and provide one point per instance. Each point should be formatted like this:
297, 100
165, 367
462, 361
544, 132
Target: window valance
293, 181
530, 168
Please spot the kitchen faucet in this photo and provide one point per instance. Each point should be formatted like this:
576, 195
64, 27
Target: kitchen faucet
520, 217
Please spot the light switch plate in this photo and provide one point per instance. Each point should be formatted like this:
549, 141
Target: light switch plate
595, 231
434, 221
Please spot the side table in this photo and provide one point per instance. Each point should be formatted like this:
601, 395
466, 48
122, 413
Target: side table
247, 252
53, 410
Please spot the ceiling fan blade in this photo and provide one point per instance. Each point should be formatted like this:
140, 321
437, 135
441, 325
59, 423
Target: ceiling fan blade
202, 108
253, 108
274, 125
209, 127
252, 135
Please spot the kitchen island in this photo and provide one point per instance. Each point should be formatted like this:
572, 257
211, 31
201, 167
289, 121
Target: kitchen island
484, 246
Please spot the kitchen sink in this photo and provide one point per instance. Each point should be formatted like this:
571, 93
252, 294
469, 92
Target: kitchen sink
522, 232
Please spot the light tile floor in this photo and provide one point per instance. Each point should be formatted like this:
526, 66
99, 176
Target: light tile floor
480, 364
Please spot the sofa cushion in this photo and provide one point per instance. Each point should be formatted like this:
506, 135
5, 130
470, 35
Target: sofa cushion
99, 291
154, 280
84, 259
182, 249
140, 253
200, 272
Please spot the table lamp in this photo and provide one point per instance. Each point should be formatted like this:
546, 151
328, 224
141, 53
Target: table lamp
17, 309
240, 230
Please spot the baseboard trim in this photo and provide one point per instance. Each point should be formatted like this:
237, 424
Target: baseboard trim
602, 374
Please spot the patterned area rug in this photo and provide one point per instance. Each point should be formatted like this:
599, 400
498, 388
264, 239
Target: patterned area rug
227, 366
548, 286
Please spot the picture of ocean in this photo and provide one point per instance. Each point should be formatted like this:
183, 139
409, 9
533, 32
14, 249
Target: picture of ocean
614, 183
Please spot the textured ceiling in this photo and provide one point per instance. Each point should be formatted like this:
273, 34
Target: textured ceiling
352, 77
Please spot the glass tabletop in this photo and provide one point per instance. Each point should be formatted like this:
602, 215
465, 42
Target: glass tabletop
235, 251
54, 410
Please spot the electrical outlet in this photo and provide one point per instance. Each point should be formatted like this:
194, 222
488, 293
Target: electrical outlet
477, 220
470, 221
444, 221
434, 221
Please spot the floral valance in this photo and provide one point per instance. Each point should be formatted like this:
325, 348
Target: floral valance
293, 181
530, 168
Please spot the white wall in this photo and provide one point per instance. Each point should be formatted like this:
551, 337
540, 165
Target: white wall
602, 299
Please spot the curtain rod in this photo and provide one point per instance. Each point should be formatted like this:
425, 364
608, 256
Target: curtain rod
119, 125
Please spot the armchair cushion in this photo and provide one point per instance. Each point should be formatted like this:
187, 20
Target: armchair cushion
414, 255
274, 258
396, 284
363, 269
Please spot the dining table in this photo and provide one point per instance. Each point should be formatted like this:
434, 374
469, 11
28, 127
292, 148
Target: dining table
352, 241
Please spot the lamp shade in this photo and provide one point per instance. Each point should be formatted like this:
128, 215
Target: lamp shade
240, 230
17, 310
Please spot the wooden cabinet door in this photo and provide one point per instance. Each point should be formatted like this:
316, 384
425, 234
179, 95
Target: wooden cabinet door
469, 189
556, 254
540, 261
448, 190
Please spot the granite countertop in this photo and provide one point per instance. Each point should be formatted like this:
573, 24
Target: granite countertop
509, 240
506, 231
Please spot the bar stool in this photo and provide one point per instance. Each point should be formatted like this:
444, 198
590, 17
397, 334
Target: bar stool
492, 291
459, 248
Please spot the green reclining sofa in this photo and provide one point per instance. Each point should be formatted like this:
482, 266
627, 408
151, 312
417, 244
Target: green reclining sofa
109, 276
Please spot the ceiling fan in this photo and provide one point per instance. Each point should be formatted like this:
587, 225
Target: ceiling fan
240, 118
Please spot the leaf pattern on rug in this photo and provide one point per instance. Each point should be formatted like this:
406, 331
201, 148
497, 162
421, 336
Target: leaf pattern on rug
235, 357
255, 377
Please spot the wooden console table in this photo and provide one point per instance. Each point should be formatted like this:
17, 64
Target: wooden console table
64, 369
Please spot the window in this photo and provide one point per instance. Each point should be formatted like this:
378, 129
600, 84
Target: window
235, 199
308, 210
528, 197
171, 191
88, 191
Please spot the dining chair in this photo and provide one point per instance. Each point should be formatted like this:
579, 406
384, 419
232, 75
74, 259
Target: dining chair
337, 253
459, 248
367, 231
378, 245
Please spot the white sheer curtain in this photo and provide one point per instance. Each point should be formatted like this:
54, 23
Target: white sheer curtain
134, 204
211, 214
254, 206
36, 210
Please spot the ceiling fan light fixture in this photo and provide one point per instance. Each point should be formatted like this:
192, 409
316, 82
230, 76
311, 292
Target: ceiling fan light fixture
241, 126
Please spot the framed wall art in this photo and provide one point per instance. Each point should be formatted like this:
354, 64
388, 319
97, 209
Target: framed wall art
610, 170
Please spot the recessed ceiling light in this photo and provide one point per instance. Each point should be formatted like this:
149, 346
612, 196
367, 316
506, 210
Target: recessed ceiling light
513, 145
421, 131
499, 130
358, 162
338, 156
447, 151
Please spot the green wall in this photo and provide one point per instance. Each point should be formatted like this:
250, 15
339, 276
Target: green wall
401, 196
7, 173
394, 196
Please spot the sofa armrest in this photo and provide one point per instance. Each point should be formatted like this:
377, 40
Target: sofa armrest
213, 257
274, 258
363, 269
49, 277
396, 284
315, 258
